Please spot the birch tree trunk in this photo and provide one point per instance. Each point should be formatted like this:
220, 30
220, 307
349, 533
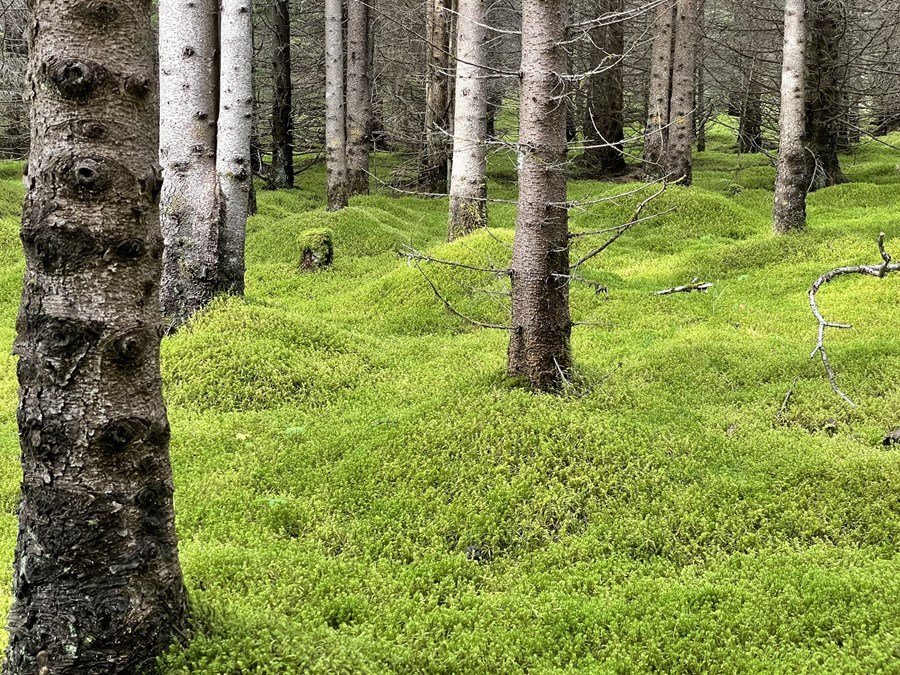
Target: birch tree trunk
656, 131
282, 124
681, 112
791, 181
359, 95
433, 178
188, 40
468, 184
539, 339
97, 585
335, 112
235, 124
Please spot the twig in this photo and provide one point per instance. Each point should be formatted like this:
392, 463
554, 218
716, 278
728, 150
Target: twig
412, 255
787, 398
687, 288
453, 309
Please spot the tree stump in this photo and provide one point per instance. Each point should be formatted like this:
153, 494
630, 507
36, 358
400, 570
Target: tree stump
316, 250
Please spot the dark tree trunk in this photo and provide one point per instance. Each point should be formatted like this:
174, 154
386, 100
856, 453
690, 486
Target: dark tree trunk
359, 95
750, 138
435, 151
97, 585
539, 339
282, 124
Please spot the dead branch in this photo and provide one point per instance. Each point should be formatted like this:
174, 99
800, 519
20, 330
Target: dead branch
413, 255
449, 306
695, 285
880, 271
787, 398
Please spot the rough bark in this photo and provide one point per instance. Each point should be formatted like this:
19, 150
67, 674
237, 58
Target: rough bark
97, 585
359, 95
660, 91
335, 110
468, 185
678, 160
188, 40
750, 138
604, 115
541, 326
282, 124
791, 180
435, 155
233, 140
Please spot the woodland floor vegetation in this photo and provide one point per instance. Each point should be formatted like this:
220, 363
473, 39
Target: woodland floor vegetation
361, 489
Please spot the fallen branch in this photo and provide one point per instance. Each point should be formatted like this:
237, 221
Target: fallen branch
453, 309
880, 271
695, 285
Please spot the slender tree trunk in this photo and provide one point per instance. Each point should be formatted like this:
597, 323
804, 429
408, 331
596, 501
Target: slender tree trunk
700, 115
681, 113
791, 180
282, 124
468, 186
233, 142
359, 95
188, 34
539, 339
335, 111
604, 124
433, 176
656, 131
750, 124
97, 585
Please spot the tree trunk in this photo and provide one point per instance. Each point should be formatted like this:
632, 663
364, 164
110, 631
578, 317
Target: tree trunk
335, 112
750, 125
359, 96
681, 113
97, 585
700, 117
604, 124
468, 186
656, 132
282, 124
539, 339
233, 142
791, 181
188, 35
433, 177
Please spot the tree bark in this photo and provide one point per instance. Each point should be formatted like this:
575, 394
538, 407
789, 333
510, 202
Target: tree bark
700, 117
282, 124
678, 161
468, 185
656, 131
359, 95
539, 339
604, 124
335, 111
97, 584
233, 141
750, 125
433, 176
791, 181
188, 40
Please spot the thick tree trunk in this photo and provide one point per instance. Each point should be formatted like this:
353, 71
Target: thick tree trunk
433, 177
335, 111
188, 34
656, 131
681, 112
791, 181
468, 185
604, 124
233, 141
282, 124
97, 585
539, 339
359, 95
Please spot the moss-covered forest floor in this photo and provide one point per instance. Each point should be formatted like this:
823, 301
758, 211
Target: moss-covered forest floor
360, 489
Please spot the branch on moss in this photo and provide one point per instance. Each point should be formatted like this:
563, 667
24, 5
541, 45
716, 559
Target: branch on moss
695, 286
880, 271
434, 288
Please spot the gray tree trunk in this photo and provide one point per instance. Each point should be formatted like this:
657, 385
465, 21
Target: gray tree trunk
282, 124
359, 95
335, 111
539, 339
468, 183
233, 143
791, 182
188, 40
433, 176
97, 586
656, 131
681, 111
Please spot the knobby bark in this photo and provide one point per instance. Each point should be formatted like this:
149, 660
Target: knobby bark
97, 585
188, 40
678, 160
435, 155
791, 180
335, 111
359, 95
282, 120
541, 326
233, 142
656, 131
468, 185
